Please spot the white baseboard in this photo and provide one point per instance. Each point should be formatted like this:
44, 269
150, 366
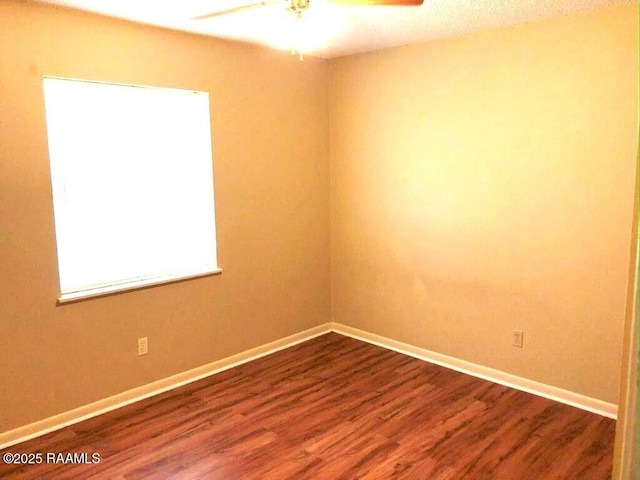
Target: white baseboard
567, 397
108, 404
114, 402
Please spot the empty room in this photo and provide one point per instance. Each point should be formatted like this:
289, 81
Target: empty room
406, 250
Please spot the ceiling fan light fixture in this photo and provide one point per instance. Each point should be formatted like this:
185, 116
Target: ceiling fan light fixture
300, 29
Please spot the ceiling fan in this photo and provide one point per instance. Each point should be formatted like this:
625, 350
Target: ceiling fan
299, 6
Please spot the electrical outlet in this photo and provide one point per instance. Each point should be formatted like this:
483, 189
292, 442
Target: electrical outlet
516, 338
143, 346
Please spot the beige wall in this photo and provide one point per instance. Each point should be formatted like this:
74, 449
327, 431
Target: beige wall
272, 194
485, 183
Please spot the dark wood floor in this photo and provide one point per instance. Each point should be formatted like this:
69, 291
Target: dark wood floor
334, 408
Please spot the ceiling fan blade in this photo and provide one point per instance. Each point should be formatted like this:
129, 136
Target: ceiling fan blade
233, 10
379, 2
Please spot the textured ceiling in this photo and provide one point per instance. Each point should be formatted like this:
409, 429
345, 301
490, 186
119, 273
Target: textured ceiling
333, 30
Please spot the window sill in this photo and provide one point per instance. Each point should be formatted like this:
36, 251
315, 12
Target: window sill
72, 297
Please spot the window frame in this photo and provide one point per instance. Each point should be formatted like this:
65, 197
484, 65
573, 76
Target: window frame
145, 279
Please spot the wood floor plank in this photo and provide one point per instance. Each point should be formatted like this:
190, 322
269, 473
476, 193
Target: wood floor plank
333, 408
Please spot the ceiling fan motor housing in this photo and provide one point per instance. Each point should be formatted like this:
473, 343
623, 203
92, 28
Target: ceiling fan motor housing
299, 6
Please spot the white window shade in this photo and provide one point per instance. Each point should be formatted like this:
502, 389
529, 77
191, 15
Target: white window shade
132, 181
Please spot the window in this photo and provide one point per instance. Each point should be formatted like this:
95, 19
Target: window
132, 179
